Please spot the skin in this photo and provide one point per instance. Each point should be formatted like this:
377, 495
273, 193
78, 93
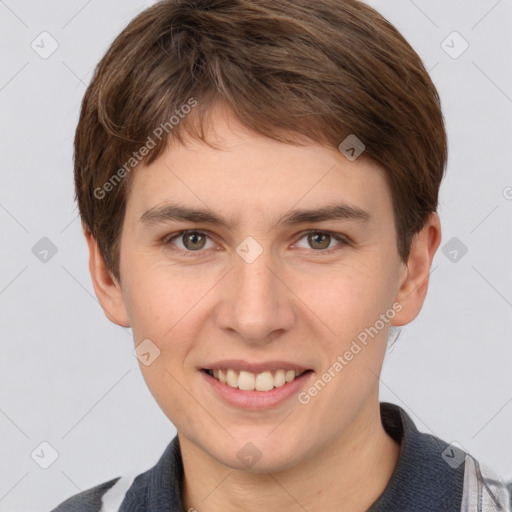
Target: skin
294, 303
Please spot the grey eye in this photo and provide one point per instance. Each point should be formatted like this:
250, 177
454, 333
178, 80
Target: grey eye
194, 241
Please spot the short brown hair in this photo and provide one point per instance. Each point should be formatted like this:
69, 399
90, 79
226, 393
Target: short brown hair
291, 70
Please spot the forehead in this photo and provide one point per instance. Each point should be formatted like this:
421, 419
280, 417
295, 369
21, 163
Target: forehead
252, 176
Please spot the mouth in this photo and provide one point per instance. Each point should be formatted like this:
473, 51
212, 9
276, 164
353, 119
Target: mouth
264, 381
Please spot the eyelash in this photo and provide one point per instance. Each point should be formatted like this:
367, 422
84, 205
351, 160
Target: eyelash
343, 241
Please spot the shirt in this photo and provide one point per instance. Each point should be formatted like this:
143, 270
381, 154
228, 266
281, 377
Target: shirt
430, 476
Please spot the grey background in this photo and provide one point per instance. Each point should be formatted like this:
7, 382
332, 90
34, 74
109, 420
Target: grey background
69, 378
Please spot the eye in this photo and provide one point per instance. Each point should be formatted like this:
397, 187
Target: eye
321, 240
191, 241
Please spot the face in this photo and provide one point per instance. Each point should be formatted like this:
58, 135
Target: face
261, 260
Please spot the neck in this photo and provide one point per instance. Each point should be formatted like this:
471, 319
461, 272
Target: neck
350, 475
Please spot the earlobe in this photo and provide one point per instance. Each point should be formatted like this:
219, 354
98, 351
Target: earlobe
107, 289
414, 276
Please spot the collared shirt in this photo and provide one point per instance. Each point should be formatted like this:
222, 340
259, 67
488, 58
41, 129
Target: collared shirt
430, 476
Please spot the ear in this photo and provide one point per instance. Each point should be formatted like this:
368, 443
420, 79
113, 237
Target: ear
106, 287
414, 275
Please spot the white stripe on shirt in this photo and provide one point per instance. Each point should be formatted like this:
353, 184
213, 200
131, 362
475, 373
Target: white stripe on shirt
113, 498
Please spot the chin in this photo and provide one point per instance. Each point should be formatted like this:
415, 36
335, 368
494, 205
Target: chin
259, 454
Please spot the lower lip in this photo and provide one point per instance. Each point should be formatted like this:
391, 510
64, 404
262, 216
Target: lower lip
257, 400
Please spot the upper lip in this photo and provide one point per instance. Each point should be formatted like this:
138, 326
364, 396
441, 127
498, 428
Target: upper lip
240, 365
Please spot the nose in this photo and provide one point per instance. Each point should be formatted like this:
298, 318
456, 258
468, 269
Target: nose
257, 305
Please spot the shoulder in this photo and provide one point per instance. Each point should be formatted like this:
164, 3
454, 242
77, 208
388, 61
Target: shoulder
434, 475
140, 491
89, 500
484, 489
109, 496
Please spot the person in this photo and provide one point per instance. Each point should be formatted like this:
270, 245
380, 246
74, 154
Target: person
258, 185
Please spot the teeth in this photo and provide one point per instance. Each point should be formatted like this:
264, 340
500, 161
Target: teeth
248, 381
232, 379
290, 375
279, 379
265, 381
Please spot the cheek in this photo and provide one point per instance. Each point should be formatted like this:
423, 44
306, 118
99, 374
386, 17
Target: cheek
164, 309
168, 387
162, 300
346, 299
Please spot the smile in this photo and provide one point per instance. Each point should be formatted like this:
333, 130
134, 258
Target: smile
248, 381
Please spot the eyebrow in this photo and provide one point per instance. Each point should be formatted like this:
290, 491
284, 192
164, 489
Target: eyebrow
174, 212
